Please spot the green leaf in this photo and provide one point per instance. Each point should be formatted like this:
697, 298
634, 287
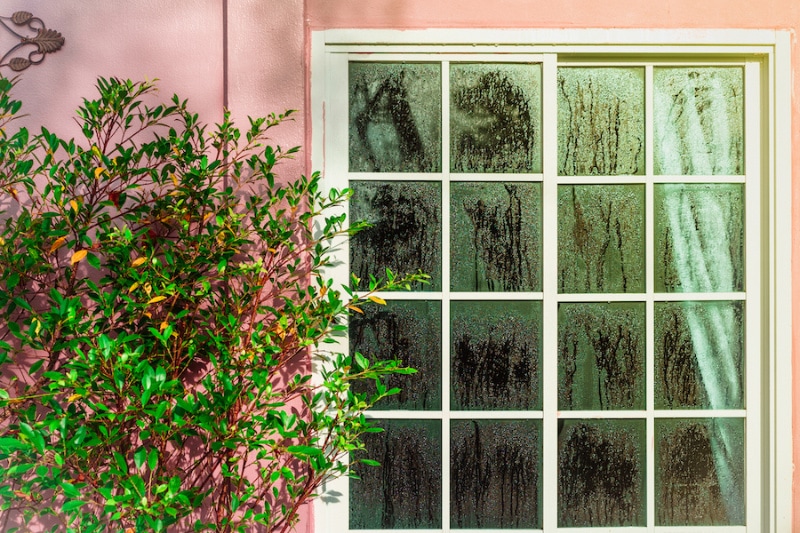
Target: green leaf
71, 505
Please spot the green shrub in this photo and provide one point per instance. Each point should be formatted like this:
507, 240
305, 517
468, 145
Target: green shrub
161, 292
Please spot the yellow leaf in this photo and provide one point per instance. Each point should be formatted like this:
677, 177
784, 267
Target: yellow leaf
354, 308
138, 261
378, 300
2, 241
173, 178
163, 326
58, 243
133, 287
148, 315
98, 172
73, 398
74, 205
77, 256
156, 299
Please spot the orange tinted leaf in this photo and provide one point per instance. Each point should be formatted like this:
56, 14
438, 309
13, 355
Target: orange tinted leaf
138, 261
98, 172
356, 309
74, 205
58, 243
133, 287
377, 299
78, 256
156, 299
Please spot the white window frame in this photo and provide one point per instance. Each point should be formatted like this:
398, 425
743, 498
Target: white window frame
771, 49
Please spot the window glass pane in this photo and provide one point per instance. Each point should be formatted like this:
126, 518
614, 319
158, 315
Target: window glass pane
699, 350
412, 332
406, 229
496, 355
601, 356
699, 237
405, 492
601, 473
699, 120
495, 236
700, 472
496, 473
601, 238
395, 117
495, 117
600, 121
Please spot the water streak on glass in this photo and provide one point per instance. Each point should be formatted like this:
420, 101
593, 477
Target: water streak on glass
601, 238
410, 331
601, 473
395, 117
495, 233
601, 356
697, 339
496, 474
495, 117
405, 492
699, 120
496, 355
699, 482
600, 121
699, 237
405, 235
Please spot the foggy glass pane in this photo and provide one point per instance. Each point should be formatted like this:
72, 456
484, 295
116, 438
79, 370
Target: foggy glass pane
699, 237
405, 492
412, 332
496, 474
496, 355
495, 117
406, 230
395, 117
699, 355
698, 120
700, 472
601, 473
601, 356
601, 238
495, 236
600, 121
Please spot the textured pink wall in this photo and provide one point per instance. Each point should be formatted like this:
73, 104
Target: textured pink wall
762, 14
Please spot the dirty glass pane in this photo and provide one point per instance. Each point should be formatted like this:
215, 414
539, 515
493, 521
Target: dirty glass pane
699, 355
395, 117
700, 472
698, 120
601, 473
601, 356
496, 355
495, 117
699, 237
601, 238
496, 474
412, 332
405, 492
406, 230
600, 121
495, 236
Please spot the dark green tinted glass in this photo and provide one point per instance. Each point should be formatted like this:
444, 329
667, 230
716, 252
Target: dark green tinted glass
495, 474
496, 355
496, 236
495, 117
395, 117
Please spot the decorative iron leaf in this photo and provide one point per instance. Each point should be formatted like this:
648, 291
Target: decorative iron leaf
48, 40
19, 63
21, 17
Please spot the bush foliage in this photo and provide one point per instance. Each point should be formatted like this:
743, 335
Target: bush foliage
160, 294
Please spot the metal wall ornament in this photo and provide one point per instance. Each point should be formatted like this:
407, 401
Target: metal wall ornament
46, 41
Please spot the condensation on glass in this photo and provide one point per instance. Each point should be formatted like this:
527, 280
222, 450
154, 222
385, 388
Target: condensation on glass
395, 117
601, 356
495, 117
601, 121
699, 472
699, 237
408, 330
405, 492
405, 231
699, 355
601, 238
495, 474
496, 355
601, 473
699, 120
496, 236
